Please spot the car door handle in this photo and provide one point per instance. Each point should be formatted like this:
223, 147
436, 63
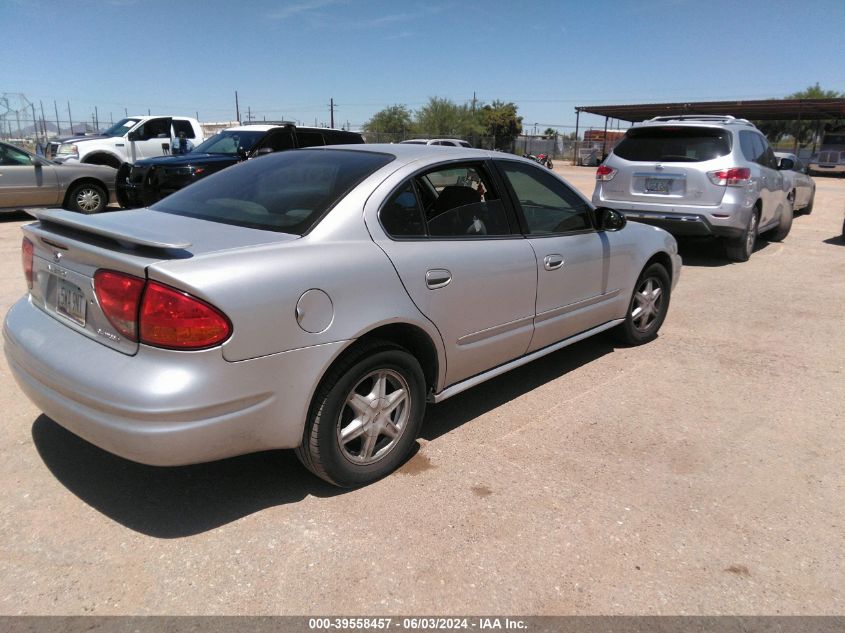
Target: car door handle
552, 262
437, 278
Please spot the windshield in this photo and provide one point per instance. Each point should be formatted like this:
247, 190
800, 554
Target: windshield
121, 127
228, 142
287, 192
674, 144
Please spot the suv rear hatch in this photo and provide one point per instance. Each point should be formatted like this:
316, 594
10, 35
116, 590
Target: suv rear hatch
667, 165
68, 249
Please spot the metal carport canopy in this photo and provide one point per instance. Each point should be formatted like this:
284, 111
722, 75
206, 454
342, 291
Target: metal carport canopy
766, 109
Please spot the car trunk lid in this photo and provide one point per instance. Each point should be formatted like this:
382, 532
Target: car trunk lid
70, 248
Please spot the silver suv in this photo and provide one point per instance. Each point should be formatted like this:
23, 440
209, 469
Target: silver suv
698, 175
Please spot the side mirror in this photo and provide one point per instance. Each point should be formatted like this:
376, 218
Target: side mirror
786, 164
133, 136
610, 219
241, 152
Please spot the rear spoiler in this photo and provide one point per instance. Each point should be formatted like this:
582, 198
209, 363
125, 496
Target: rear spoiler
105, 226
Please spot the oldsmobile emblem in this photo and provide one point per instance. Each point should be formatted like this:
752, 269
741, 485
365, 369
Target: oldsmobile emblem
57, 256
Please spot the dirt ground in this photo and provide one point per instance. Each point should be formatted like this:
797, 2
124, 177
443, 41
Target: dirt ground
703, 473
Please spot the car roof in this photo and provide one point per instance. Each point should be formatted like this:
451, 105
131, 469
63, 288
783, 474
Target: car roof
786, 155
408, 153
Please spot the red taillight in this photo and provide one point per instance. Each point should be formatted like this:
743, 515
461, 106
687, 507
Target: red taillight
174, 319
733, 177
605, 173
158, 315
26, 259
119, 295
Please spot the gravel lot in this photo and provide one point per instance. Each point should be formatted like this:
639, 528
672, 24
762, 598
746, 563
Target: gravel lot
703, 473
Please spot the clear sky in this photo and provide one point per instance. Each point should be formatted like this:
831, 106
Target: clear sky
287, 58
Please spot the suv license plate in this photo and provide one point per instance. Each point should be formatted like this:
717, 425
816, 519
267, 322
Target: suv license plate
658, 185
71, 302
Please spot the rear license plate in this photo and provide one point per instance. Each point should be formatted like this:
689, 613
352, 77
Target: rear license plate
658, 185
71, 302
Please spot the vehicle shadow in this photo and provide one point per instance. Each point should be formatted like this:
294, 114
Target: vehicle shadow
183, 501
839, 240
15, 216
452, 413
177, 501
709, 253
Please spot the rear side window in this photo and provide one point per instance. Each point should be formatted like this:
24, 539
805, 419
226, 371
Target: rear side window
309, 139
287, 192
183, 127
674, 144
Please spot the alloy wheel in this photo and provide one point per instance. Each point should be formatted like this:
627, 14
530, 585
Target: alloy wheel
374, 417
648, 300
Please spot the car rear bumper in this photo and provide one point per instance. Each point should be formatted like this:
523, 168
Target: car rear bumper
683, 224
162, 407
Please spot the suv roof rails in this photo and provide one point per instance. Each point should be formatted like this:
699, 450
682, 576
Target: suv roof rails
721, 118
247, 123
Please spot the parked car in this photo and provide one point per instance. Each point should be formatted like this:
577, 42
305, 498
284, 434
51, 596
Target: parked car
800, 187
131, 139
449, 142
30, 181
698, 175
149, 180
317, 300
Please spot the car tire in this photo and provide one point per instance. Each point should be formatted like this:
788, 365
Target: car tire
87, 198
365, 416
739, 249
779, 234
809, 208
120, 185
647, 307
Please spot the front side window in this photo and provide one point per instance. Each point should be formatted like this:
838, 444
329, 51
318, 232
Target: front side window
287, 192
455, 201
154, 128
10, 156
228, 142
548, 205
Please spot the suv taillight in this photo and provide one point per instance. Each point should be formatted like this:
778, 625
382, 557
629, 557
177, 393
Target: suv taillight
733, 177
158, 315
26, 259
605, 173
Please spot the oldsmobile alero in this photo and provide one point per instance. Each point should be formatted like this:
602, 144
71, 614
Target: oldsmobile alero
317, 300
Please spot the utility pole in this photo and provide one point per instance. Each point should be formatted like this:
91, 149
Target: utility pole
58, 125
237, 108
331, 111
70, 118
96, 119
126, 112
43, 120
248, 114
34, 122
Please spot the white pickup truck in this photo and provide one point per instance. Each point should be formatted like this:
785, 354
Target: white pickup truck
131, 139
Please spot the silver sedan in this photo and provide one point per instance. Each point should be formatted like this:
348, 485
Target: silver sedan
318, 300
800, 186
30, 181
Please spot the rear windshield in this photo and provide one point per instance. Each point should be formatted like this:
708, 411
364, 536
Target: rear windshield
674, 144
287, 192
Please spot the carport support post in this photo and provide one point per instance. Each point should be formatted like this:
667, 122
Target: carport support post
796, 132
575, 150
604, 141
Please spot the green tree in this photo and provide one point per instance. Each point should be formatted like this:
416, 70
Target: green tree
500, 121
550, 132
442, 117
805, 130
395, 119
